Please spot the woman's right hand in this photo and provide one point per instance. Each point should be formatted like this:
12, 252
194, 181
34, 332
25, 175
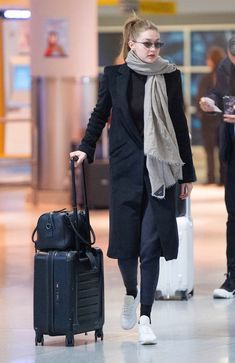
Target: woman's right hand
80, 154
208, 105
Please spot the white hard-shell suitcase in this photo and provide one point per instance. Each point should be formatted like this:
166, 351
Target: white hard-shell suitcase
176, 278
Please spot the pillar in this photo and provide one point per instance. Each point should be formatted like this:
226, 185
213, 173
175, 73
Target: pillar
64, 73
2, 103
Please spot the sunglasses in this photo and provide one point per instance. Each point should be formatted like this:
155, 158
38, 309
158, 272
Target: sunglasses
149, 45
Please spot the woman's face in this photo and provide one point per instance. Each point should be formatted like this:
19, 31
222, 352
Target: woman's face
146, 46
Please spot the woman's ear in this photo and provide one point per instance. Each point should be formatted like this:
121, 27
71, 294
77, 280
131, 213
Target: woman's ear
131, 44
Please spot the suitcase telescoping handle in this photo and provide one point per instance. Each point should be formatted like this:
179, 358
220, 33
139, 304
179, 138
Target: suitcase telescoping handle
188, 208
74, 200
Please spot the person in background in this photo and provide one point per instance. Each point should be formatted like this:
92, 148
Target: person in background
225, 86
150, 152
210, 124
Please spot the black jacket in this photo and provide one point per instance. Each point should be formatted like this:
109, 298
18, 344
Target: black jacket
127, 163
225, 86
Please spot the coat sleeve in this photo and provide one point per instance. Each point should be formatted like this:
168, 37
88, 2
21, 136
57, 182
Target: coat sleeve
182, 133
98, 119
221, 86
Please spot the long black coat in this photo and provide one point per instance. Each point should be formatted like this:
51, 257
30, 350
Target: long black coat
127, 163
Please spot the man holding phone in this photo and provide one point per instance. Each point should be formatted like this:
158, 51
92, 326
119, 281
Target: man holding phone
217, 101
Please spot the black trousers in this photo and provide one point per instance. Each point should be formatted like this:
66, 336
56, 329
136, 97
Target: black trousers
230, 205
150, 252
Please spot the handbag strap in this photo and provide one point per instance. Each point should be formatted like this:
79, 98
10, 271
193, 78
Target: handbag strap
33, 234
87, 243
92, 260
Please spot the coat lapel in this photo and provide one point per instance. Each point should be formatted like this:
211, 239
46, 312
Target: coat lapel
123, 79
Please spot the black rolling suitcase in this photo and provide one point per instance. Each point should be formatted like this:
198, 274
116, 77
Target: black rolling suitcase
69, 289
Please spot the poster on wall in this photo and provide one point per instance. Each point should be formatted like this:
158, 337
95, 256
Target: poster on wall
56, 38
23, 37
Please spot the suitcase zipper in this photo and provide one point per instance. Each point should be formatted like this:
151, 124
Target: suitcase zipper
51, 293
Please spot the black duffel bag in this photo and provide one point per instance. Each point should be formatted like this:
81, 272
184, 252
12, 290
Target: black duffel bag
58, 230
65, 230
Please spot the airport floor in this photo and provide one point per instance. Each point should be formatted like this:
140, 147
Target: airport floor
200, 330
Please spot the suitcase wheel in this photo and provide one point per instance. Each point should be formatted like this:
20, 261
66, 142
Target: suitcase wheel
39, 339
178, 295
99, 334
69, 340
184, 294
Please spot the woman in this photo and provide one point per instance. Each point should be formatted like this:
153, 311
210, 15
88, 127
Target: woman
211, 124
149, 152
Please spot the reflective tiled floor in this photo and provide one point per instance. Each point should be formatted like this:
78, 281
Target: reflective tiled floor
201, 330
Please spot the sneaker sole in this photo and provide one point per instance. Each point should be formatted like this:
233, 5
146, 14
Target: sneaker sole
148, 342
223, 294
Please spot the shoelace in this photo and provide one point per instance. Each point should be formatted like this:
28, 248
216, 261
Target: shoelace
127, 309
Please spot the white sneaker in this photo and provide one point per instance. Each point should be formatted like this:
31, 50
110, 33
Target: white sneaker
226, 290
128, 316
223, 294
146, 335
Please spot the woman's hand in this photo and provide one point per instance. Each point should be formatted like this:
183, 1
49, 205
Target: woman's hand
81, 156
208, 105
186, 189
229, 118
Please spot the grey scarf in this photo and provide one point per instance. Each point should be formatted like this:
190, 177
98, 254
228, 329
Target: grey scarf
163, 160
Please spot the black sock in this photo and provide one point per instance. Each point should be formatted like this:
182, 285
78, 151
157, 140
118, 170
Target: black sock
132, 292
145, 310
232, 275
